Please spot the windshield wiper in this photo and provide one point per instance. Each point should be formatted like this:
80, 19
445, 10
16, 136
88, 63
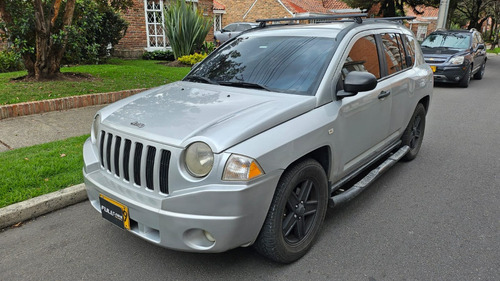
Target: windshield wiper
197, 78
244, 85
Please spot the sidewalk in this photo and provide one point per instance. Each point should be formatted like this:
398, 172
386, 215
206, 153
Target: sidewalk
35, 129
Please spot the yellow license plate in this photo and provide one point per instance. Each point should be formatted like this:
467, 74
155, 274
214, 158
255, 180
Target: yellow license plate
433, 67
114, 212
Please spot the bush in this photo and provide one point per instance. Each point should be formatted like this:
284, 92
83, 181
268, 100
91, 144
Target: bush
207, 47
95, 30
192, 59
185, 28
10, 61
159, 55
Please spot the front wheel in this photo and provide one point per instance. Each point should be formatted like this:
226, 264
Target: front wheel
414, 133
296, 213
464, 82
479, 75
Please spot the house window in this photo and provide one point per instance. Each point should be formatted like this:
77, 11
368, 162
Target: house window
217, 22
154, 23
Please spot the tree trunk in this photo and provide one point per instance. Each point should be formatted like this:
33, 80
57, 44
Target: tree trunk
49, 53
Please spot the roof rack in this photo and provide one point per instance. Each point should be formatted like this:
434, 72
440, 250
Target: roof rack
355, 17
400, 19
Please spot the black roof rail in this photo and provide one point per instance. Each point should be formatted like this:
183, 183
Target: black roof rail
400, 19
355, 17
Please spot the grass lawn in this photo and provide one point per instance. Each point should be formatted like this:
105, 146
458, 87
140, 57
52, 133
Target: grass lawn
32, 171
116, 75
494, 51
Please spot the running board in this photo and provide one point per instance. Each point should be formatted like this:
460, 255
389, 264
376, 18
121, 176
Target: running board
368, 179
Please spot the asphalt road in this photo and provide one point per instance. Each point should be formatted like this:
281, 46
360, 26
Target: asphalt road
436, 218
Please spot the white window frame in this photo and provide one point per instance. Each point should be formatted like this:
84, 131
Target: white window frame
156, 35
166, 45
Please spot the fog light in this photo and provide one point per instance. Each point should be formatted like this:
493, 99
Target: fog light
209, 236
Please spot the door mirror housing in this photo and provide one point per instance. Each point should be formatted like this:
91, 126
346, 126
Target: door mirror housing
357, 81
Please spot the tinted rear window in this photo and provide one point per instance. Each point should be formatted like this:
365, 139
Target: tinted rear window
283, 64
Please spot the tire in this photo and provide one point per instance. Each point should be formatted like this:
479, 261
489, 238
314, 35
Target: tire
296, 213
479, 75
464, 82
414, 133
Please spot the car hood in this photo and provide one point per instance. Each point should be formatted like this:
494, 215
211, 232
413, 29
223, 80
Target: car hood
441, 52
180, 113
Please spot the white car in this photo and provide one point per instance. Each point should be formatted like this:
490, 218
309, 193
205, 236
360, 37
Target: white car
232, 30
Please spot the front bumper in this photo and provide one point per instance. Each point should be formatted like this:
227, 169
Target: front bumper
448, 73
232, 213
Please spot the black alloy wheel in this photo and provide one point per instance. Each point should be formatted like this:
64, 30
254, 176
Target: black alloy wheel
296, 213
414, 133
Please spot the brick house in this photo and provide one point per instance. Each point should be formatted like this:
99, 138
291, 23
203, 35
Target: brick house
229, 11
425, 23
145, 30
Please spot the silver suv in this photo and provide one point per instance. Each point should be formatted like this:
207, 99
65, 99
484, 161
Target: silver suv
254, 144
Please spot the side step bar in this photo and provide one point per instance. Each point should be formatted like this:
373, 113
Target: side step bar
368, 179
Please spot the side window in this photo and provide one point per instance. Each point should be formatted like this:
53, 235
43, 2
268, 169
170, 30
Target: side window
393, 52
230, 27
242, 27
409, 43
363, 57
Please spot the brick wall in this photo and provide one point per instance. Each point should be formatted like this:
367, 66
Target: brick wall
236, 9
135, 42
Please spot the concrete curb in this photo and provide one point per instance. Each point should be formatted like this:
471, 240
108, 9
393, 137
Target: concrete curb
41, 205
35, 107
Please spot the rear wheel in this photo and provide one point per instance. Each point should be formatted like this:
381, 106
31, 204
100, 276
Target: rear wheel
296, 213
414, 133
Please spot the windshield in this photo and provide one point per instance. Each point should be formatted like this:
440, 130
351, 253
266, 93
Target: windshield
451, 40
280, 63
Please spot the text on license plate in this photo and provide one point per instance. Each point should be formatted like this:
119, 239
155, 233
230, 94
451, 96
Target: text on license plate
115, 212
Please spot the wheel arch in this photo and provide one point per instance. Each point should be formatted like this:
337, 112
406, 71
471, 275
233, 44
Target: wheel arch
322, 154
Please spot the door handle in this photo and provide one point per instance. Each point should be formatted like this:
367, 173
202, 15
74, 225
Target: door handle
384, 94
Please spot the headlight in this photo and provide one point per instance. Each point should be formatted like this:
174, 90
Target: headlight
94, 132
199, 159
241, 168
457, 60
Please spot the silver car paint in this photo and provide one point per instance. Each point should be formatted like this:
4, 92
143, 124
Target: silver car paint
275, 129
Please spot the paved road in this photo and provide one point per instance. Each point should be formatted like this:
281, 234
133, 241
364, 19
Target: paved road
436, 218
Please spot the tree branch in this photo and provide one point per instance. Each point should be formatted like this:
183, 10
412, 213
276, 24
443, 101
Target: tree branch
57, 7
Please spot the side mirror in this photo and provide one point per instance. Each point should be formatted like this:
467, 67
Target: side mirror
480, 46
357, 81
223, 30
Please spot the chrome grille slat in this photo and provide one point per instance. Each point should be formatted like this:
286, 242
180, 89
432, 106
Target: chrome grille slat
140, 164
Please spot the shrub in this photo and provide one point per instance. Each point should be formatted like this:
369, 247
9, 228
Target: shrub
207, 47
159, 55
185, 28
192, 59
95, 30
10, 61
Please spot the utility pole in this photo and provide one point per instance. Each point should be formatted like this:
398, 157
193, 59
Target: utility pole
443, 13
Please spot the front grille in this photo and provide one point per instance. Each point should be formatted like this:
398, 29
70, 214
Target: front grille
143, 165
435, 61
